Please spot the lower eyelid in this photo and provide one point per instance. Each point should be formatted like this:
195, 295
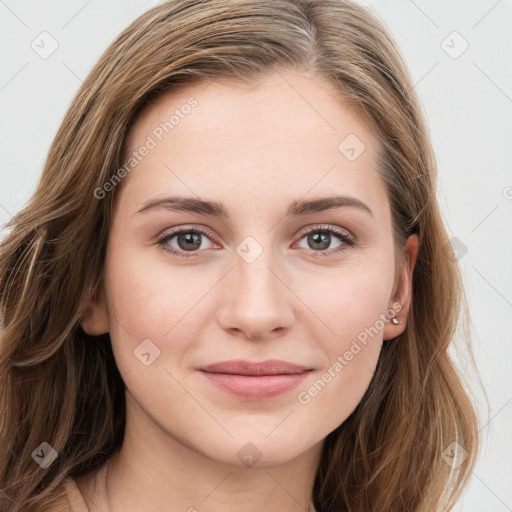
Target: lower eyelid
345, 239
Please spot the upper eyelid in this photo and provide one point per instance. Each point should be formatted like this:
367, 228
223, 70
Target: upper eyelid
176, 231
304, 231
327, 227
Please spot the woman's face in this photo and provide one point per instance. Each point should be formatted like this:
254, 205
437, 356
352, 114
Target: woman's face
262, 270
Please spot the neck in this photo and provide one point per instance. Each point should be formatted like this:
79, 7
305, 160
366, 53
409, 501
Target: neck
155, 472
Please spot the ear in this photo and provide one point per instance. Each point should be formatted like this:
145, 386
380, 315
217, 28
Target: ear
95, 319
401, 299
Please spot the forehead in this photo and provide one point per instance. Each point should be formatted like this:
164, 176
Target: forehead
286, 134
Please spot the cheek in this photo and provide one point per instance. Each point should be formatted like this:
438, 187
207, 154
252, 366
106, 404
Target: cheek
350, 317
334, 392
151, 301
347, 301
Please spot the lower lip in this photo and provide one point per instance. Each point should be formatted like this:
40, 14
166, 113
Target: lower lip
255, 387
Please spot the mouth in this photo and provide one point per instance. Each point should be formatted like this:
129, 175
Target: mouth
255, 380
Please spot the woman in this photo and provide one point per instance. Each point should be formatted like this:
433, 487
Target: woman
232, 287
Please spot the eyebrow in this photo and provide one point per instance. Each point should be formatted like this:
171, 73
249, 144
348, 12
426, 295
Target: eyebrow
215, 209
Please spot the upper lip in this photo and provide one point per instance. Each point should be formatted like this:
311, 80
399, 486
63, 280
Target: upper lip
243, 367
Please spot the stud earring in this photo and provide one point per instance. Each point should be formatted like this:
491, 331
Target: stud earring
395, 320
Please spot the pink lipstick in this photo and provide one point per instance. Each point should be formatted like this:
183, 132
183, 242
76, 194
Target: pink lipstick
255, 380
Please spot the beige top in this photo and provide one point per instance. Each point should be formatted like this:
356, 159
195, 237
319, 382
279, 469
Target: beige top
71, 500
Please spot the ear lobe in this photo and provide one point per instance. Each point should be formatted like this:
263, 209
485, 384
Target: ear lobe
403, 289
95, 319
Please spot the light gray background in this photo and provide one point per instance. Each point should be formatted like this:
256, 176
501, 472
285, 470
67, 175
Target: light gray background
468, 104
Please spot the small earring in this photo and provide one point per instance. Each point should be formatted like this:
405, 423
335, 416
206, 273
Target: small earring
395, 320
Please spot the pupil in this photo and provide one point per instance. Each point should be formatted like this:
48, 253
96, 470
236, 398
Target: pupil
188, 238
322, 234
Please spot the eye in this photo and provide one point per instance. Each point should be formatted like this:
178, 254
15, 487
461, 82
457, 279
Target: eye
319, 238
187, 240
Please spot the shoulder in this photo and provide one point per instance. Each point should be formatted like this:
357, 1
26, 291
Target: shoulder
69, 498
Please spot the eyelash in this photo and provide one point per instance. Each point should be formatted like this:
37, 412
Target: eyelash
340, 233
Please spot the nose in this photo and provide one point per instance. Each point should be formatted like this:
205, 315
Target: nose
257, 302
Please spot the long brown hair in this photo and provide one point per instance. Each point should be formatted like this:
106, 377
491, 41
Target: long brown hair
61, 386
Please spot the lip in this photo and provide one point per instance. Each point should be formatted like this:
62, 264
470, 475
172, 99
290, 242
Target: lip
255, 380
255, 368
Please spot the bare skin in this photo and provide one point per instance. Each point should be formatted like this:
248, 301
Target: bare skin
303, 299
